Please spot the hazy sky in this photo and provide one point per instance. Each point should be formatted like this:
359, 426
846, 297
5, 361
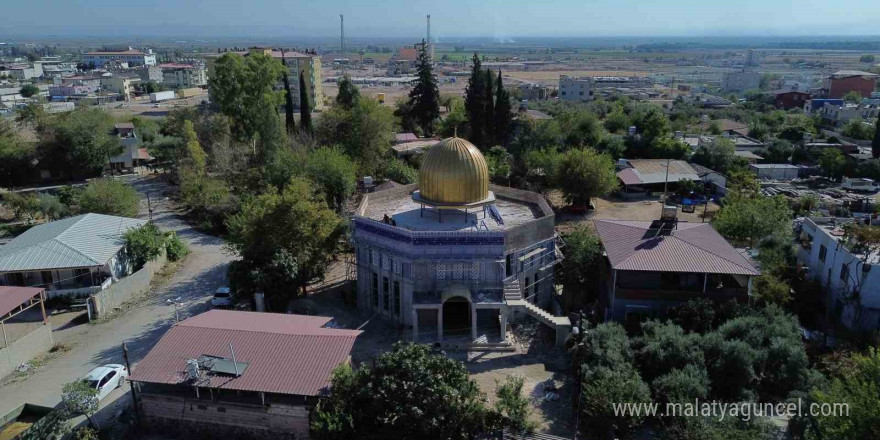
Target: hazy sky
450, 18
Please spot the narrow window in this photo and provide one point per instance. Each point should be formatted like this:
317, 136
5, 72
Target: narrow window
397, 297
386, 298
375, 290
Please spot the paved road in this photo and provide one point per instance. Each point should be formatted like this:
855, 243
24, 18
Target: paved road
94, 345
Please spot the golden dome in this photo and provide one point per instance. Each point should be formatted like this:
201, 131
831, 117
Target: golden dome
454, 172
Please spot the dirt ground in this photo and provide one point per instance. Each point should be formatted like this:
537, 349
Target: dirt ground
619, 209
534, 357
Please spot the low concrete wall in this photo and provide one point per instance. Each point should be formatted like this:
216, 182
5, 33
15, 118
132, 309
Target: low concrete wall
124, 290
25, 349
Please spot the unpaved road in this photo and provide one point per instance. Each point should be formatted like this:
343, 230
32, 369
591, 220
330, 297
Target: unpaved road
142, 326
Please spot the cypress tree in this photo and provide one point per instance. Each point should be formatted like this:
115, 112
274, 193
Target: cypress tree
348, 93
489, 106
305, 110
503, 116
875, 145
288, 98
474, 102
288, 105
424, 98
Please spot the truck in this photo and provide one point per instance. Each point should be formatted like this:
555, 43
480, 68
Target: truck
21, 419
162, 96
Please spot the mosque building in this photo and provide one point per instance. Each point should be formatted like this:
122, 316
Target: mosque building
454, 257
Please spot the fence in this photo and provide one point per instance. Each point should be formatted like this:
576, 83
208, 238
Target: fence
25, 348
124, 290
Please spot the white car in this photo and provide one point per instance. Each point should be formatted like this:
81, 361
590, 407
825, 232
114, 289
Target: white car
107, 378
222, 297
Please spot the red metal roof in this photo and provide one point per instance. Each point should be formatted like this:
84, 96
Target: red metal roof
286, 354
692, 247
629, 177
13, 296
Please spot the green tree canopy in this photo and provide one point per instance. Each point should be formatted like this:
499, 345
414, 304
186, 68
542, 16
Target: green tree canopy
853, 97
832, 162
409, 394
718, 155
284, 240
144, 244
365, 132
79, 142
584, 174
243, 88
746, 220
14, 153
859, 388
348, 93
334, 173
110, 197
28, 90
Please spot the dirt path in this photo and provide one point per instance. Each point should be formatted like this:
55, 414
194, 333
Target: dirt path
143, 325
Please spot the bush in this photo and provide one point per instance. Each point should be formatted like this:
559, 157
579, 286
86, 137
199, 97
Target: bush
602, 388
110, 197
512, 407
175, 248
400, 172
143, 244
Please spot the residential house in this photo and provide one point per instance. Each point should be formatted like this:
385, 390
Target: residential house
816, 104
748, 156
646, 176
77, 255
149, 74
133, 154
842, 82
575, 89
25, 72
533, 92
789, 99
654, 265
840, 115
851, 279
235, 373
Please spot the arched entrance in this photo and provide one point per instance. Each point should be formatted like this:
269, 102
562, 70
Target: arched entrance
457, 316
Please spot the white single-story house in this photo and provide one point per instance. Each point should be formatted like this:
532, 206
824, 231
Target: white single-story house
76, 256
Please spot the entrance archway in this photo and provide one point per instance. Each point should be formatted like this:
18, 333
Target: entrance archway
457, 316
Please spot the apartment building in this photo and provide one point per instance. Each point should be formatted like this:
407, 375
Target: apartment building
183, 76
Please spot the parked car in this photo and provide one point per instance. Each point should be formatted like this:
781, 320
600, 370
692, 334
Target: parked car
107, 378
222, 297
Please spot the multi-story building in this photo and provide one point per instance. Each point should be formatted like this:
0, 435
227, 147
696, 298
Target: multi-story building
182, 76
844, 81
150, 74
455, 257
575, 89
739, 82
122, 85
131, 56
851, 279
24, 72
307, 64
403, 62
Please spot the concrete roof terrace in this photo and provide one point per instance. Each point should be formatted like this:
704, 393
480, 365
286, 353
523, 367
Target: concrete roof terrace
515, 207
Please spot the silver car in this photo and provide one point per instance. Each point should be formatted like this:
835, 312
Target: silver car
222, 297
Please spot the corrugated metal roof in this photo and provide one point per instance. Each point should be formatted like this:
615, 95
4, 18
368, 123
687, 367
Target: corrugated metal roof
646, 171
81, 241
11, 297
692, 247
286, 354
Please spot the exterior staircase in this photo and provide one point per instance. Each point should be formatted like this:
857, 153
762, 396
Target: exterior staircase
514, 300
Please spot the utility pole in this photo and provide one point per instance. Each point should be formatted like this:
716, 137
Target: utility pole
134, 400
342, 41
666, 181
